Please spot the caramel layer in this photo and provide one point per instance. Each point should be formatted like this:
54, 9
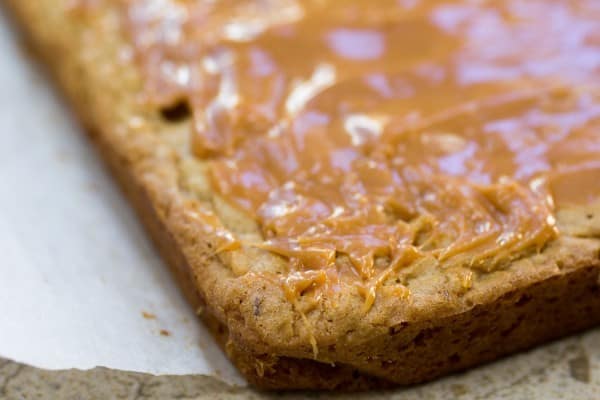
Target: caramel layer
390, 130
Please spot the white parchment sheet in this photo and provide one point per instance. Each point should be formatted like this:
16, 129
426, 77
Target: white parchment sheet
77, 271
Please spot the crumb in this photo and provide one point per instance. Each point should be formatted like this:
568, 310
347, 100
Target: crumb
164, 332
148, 315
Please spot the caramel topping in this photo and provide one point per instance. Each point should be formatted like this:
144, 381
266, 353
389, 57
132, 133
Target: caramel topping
392, 130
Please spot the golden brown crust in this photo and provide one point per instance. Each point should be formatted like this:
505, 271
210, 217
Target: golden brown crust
444, 328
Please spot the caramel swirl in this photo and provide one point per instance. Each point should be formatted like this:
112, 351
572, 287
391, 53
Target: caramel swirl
390, 130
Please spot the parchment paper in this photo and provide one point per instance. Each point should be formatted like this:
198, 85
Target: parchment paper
80, 284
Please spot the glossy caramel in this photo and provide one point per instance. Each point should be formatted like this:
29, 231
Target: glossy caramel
385, 130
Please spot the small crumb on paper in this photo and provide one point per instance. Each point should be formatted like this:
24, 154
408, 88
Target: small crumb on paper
148, 315
164, 332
